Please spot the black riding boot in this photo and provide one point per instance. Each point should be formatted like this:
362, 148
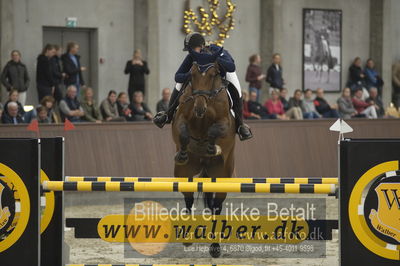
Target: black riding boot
162, 118
242, 129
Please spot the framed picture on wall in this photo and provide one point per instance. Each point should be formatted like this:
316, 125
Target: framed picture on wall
322, 49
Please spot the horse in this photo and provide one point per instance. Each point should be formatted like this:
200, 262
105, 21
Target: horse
203, 130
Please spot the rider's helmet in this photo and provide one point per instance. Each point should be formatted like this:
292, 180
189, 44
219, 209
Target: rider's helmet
193, 40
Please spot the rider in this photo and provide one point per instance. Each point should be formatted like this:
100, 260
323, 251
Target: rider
195, 44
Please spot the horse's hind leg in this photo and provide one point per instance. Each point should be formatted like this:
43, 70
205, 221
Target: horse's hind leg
181, 158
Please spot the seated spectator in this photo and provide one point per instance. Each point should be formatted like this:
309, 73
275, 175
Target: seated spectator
372, 79
52, 111
70, 107
11, 115
356, 75
282, 97
346, 107
109, 108
323, 107
275, 106
42, 115
375, 99
124, 109
362, 107
256, 108
162, 105
26, 116
90, 107
246, 113
308, 107
295, 104
139, 109
1, 111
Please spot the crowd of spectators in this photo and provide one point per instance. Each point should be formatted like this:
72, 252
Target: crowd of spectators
361, 98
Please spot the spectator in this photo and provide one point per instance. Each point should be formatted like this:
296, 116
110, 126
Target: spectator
15, 76
109, 108
44, 77
1, 111
396, 83
26, 116
362, 107
136, 68
254, 75
246, 113
296, 104
274, 73
309, 111
70, 108
12, 116
124, 109
356, 75
43, 117
162, 105
372, 79
57, 73
275, 106
375, 99
139, 109
52, 112
345, 105
256, 108
323, 107
90, 107
282, 97
72, 67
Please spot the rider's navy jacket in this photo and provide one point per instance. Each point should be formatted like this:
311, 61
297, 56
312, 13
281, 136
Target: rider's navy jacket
225, 60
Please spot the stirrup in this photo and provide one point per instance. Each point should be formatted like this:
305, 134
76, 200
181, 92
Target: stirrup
245, 136
160, 119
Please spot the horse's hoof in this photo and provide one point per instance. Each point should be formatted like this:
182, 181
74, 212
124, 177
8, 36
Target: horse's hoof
215, 250
181, 158
214, 150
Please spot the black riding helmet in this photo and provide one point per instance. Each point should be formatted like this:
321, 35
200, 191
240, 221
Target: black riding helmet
193, 40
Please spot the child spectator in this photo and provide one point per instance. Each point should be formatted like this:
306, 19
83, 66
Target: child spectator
42, 115
162, 105
323, 107
295, 104
123, 106
346, 107
362, 107
309, 111
254, 75
109, 108
70, 107
140, 110
377, 100
90, 107
52, 112
275, 106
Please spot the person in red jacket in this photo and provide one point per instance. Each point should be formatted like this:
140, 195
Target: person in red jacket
362, 107
275, 106
254, 75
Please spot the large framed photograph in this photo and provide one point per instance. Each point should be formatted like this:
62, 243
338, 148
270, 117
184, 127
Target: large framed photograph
322, 49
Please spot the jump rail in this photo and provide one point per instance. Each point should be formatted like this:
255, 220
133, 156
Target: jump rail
189, 187
155, 265
271, 180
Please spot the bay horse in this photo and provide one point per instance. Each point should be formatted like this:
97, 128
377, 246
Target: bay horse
203, 130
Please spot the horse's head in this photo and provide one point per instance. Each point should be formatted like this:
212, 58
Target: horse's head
205, 81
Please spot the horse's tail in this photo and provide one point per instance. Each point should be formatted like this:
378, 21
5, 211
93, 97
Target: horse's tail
207, 196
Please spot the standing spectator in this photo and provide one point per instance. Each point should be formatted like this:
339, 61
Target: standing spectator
109, 108
70, 108
372, 78
345, 105
323, 107
282, 97
44, 77
295, 103
375, 99
90, 107
136, 68
254, 75
12, 116
43, 117
57, 73
274, 73
396, 83
139, 109
356, 75
15, 76
124, 109
162, 105
72, 67
52, 112
275, 106
309, 111
362, 107
256, 108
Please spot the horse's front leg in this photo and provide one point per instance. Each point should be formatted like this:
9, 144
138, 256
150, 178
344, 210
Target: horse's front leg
181, 158
217, 130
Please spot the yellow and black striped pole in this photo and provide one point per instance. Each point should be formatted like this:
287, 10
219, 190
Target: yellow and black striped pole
154, 265
271, 180
189, 187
